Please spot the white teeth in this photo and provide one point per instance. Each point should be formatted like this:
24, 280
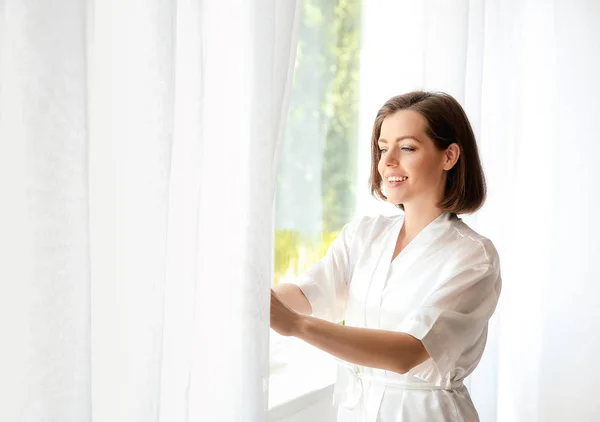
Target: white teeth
397, 179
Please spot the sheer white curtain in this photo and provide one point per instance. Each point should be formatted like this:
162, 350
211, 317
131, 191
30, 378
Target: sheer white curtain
527, 74
138, 143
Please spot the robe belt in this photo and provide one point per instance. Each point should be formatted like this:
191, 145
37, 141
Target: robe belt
354, 392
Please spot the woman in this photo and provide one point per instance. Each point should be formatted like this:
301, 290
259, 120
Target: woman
416, 291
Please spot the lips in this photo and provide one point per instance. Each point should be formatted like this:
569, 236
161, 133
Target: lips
394, 180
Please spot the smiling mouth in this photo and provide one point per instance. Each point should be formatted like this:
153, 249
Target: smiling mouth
395, 181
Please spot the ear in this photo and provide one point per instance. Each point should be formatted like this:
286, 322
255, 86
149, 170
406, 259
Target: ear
451, 156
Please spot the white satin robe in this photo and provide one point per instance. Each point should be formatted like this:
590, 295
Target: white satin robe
442, 289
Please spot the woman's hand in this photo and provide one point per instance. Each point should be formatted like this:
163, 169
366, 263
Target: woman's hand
283, 319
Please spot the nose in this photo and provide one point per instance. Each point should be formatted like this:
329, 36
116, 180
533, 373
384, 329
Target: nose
390, 159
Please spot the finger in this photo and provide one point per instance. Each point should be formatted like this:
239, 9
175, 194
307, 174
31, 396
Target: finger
274, 298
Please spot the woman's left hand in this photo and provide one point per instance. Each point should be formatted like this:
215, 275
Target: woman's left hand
283, 319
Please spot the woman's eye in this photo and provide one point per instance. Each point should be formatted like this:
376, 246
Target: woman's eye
407, 149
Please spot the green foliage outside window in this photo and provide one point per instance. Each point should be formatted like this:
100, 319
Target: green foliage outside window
328, 61
295, 253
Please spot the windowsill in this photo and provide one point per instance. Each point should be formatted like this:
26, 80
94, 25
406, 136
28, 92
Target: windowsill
300, 375
300, 402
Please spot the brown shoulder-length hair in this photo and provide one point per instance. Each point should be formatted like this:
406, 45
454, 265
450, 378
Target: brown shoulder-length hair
447, 123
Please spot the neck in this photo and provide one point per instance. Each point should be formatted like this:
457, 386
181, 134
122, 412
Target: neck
417, 218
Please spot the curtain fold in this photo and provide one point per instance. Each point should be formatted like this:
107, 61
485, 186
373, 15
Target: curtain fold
137, 146
44, 212
235, 245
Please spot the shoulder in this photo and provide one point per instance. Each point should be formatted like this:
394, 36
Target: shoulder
470, 247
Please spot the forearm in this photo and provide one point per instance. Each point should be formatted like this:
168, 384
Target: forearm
389, 350
292, 296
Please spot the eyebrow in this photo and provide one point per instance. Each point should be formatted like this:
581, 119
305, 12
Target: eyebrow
400, 138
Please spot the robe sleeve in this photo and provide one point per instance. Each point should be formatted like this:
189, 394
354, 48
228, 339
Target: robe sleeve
325, 284
453, 317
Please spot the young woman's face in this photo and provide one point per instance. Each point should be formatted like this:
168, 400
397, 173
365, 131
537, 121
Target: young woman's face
411, 167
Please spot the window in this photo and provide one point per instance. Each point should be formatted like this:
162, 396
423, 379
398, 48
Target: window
317, 182
316, 185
